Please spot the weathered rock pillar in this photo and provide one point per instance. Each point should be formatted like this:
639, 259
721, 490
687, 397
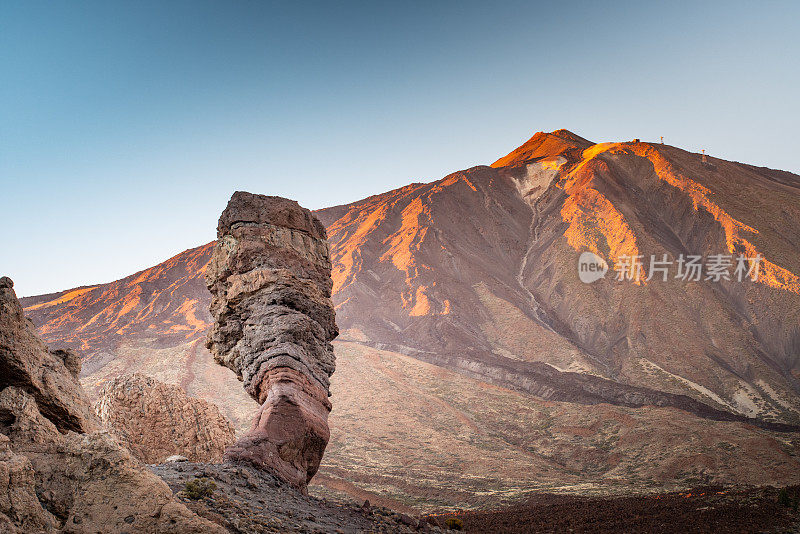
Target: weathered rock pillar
270, 278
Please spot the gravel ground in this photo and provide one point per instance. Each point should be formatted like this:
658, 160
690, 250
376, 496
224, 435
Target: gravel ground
702, 510
247, 500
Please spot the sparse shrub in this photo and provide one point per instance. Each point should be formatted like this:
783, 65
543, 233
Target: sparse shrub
200, 487
783, 498
454, 523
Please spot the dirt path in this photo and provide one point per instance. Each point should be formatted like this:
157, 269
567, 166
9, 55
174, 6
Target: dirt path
189, 376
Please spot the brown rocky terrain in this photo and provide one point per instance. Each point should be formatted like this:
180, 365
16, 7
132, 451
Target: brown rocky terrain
154, 420
60, 472
460, 442
50, 377
467, 288
270, 277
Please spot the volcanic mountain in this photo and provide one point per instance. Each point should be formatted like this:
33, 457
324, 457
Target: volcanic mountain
467, 331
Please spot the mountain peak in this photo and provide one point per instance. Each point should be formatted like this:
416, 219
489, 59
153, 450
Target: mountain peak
543, 144
566, 134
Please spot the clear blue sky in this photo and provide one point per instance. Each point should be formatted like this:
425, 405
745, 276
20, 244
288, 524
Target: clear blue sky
125, 126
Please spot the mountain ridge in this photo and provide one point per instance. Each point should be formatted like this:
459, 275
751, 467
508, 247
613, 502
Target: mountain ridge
543, 150
476, 273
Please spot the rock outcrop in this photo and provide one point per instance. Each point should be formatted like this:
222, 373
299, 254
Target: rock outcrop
61, 473
50, 377
156, 421
270, 280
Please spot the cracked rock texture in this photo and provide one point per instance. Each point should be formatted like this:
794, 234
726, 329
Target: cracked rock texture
156, 420
62, 474
270, 280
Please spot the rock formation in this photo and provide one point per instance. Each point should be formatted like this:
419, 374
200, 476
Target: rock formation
270, 280
61, 473
50, 377
156, 421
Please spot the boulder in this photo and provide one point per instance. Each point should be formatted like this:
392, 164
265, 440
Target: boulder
156, 420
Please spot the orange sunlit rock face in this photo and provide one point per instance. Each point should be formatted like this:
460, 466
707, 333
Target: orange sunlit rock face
403, 243
168, 299
355, 228
401, 219
595, 224
402, 252
61, 299
736, 232
543, 144
347, 264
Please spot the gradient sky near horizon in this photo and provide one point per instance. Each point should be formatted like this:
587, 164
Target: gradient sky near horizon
126, 126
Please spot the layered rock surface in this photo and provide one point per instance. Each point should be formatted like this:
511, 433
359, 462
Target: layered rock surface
156, 420
61, 473
270, 281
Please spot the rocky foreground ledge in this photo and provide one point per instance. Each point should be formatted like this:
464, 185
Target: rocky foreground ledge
247, 499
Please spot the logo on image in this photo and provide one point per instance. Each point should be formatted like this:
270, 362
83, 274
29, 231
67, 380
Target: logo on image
591, 267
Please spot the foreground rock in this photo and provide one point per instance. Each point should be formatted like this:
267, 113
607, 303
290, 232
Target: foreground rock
60, 473
156, 421
50, 377
270, 279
